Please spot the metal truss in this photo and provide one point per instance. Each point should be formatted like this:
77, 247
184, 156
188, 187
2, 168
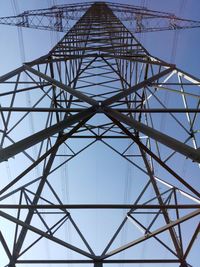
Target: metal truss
99, 85
137, 19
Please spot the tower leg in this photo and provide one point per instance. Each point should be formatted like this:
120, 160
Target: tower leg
98, 264
184, 264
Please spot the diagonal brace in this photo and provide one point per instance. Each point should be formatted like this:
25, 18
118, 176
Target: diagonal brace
135, 88
3, 241
152, 234
46, 235
170, 142
66, 88
27, 142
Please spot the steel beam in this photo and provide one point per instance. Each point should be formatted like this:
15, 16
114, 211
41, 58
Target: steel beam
66, 88
46, 172
153, 233
157, 159
135, 88
164, 139
125, 261
5, 246
34, 139
100, 206
11, 74
141, 19
165, 213
99, 37
194, 237
44, 234
123, 110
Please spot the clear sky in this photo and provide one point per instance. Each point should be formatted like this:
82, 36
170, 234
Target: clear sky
96, 179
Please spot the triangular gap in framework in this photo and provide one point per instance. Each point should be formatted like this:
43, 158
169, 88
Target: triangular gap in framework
52, 250
62, 227
4, 256
192, 242
161, 233
50, 242
8, 236
143, 249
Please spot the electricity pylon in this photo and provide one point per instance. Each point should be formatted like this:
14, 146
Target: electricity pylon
137, 19
99, 85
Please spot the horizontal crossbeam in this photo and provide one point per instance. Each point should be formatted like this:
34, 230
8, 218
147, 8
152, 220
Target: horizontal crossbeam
146, 261
99, 206
133, 110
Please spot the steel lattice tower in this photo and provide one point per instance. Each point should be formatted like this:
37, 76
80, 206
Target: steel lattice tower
99, 85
